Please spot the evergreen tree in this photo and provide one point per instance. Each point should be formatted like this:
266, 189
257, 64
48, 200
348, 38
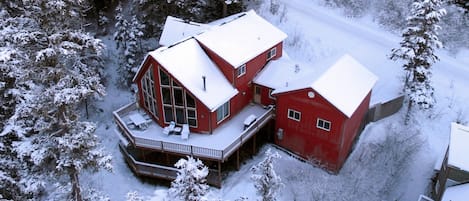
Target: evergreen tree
56, 67
266, 181
128, 36
417, 50
190, 183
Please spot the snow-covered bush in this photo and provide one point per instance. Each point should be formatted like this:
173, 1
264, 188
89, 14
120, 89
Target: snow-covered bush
190, 183
266, 181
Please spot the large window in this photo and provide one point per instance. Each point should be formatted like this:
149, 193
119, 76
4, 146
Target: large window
323, 124
223, 111
149, 94
293, 114
241, 70
178, 105
271, 54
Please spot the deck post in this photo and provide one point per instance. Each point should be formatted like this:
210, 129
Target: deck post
167, 158
254, 144
219, 173
237, 159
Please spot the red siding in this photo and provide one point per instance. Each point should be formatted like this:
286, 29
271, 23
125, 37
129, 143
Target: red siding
351, 129
202, 111
328, 148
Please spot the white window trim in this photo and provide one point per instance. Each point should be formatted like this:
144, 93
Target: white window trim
293, 118
241, 70
324, 121
222, 119
272, 53
149, 93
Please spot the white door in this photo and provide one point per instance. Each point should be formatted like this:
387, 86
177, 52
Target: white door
257, 94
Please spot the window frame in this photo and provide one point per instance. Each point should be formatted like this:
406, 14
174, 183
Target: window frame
225, 106
323, 126
272, 53
294, 116
177, 102
149, 92
240, 71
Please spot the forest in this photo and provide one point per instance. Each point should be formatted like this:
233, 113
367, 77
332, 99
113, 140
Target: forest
52, 72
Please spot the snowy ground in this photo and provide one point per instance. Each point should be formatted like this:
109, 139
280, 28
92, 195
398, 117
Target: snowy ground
316, 33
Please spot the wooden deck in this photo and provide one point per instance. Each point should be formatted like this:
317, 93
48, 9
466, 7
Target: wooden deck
184, 149
163, 169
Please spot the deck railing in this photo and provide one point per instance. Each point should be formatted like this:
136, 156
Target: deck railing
201, 152
164, 172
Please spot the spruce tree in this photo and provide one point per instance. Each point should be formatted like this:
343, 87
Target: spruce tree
419, 41
190, 183
266, 181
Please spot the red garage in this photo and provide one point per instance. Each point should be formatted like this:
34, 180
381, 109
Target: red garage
318, 118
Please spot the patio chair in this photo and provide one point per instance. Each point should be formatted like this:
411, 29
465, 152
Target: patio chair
185, 132
169, 129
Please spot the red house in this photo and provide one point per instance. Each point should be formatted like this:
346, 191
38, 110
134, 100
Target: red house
318, 114
214, 87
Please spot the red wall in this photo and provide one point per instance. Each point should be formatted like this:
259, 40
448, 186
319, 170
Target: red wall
304, 138
351, 129
244, 82
203, 114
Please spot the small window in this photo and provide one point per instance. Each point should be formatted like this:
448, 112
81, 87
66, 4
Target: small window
295, 115
323, 124
223, 111
272, 53
241, 70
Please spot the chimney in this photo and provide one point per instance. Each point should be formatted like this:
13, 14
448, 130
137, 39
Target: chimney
205, 86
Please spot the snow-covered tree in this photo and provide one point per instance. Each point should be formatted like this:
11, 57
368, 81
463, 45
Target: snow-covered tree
128, 38
134, 196
266, 181
420, 39
56, 67
190, 183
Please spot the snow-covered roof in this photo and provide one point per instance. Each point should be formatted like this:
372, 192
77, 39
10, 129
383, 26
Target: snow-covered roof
187, 62
284, 73
344, 84
176, 29
456, 193
241, 39
459, 147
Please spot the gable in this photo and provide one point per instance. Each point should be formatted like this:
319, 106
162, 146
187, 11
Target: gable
241, 39
176, 29
345, 84
188, 63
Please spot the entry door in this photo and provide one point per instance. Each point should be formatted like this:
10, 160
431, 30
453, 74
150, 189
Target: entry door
257, 94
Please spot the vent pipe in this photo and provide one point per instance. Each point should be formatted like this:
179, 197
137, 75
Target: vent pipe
205, 86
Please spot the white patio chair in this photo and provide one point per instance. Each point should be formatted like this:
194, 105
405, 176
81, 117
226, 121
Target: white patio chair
169, 129
185, 132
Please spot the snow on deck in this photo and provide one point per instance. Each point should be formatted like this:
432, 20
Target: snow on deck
459, 147
220, 139
176, 29
188, 63
456, 193
345, 84
242, 39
